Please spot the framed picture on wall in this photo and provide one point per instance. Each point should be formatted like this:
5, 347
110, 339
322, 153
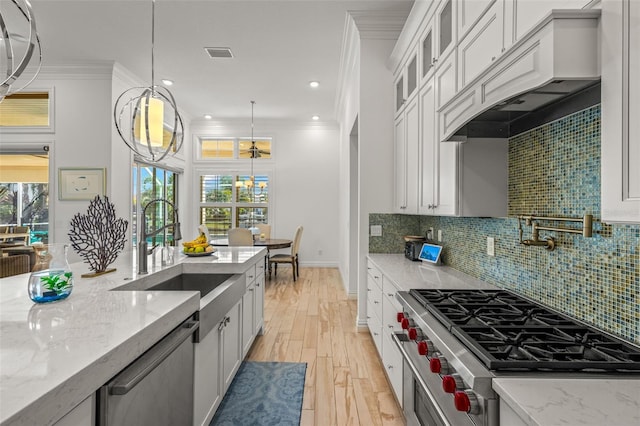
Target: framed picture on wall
81, 183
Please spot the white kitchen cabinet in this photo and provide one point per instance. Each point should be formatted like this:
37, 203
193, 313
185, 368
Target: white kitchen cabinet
469, 11
252, 306
208, 389
428, 52
230, 347
406, 158
446, 79
248, 311
258, 313
391, 356
438, 162
217, 359
620, 172
482, 45
525, 14
382, 320
446, 24
82, 414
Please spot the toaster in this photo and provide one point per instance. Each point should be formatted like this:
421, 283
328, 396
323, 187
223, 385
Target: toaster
412, 249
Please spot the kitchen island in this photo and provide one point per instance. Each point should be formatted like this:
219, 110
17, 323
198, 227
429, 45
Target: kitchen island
54, 356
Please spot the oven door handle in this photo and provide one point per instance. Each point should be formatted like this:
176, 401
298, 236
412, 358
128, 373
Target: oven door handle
416, 375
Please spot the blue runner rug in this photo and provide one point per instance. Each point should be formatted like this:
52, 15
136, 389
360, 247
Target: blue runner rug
263, 393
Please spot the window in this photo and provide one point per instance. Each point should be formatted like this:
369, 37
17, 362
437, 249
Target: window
211, 148
24, 193
151, 182
233, 201
27, 112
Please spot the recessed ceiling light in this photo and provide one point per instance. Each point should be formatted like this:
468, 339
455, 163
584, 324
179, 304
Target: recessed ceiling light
314, 84
167, 82
208, 117
315, 118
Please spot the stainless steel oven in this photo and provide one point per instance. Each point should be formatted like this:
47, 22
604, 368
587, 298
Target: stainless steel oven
455, 342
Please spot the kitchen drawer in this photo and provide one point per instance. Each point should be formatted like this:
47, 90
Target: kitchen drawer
374, 274
375, 328
390, 309
250, 274
374, 300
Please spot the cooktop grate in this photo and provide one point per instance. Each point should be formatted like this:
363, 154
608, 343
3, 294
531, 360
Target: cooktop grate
509, 332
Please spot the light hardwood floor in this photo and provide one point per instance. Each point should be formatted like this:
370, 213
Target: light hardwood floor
312, 321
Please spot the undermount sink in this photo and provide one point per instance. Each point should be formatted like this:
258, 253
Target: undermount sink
204, 283
218, 294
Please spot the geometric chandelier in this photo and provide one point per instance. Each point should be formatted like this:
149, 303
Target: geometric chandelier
16, 50
147, 118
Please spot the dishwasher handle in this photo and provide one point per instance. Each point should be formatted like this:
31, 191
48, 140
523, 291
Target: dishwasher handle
141, 367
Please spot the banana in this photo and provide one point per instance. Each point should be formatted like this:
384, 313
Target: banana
201, 241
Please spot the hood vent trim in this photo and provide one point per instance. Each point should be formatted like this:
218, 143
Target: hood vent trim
558, 60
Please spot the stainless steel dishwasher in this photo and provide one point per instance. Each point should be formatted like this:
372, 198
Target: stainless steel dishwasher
157, 388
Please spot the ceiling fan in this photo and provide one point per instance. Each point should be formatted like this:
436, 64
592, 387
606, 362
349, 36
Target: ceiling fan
254, 151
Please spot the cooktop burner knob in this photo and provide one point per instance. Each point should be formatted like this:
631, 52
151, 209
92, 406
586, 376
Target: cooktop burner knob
451, 382
413, 333
425, 347
400, 316
466, 401
405, 324
438, 364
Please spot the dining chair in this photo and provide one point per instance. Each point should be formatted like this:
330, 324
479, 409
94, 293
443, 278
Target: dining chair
14, 265
21, 230
240, 237
291, 258
264, 229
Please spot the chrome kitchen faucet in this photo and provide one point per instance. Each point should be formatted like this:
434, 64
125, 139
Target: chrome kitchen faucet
143, 250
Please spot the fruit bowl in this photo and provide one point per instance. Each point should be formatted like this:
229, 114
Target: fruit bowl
202, 253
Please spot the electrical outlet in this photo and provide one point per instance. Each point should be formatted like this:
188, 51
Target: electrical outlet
430, 234
376, 230
491, 246
439, 235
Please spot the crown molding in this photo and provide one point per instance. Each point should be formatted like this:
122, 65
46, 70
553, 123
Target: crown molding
86, 70
381, 24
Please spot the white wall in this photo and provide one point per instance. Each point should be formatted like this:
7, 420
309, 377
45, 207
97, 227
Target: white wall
81, 134
369, 97
305, 183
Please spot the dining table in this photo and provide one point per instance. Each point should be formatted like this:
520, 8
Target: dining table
269, 243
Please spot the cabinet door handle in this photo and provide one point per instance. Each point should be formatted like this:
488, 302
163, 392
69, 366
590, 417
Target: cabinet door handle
375, 302
493, 58
390, 294
376, 277
390, 367
257, 284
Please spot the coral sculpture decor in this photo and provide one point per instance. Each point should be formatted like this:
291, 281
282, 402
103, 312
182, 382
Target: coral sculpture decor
98, 236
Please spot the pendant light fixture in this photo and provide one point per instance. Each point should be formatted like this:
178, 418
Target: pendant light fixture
147, 118
17, 51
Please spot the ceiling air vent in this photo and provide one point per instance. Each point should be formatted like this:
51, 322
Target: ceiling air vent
219, 52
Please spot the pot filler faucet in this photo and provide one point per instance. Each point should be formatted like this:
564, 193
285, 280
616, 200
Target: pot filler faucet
143, 250
549, 242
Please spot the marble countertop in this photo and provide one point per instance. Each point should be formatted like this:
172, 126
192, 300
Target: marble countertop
53, 356
406, 274
537, 401
572, 401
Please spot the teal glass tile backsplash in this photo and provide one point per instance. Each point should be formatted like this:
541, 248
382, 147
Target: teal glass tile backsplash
554, 170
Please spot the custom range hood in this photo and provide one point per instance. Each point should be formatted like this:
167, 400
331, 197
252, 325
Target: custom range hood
550, 72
